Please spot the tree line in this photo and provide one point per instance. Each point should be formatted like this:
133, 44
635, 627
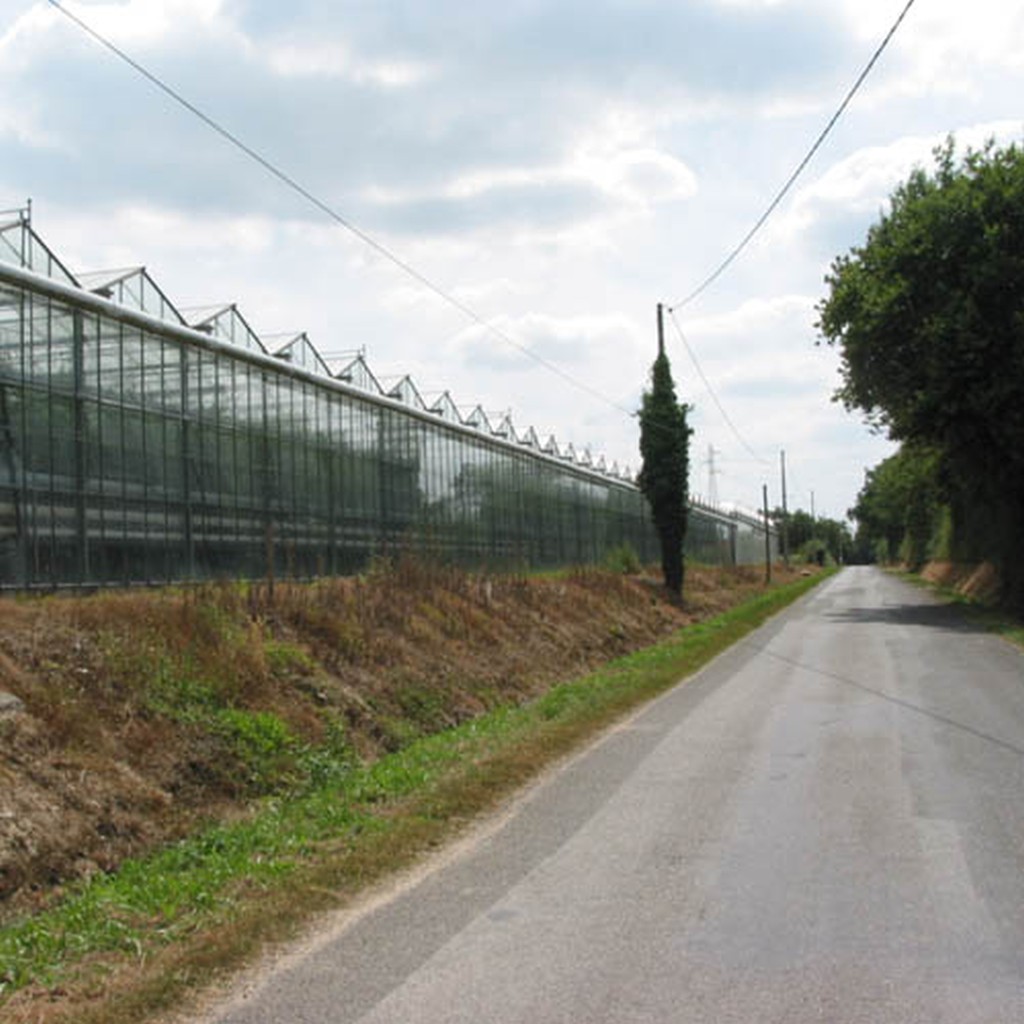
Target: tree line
928, 319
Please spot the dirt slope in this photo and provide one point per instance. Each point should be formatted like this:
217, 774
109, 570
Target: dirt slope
140, 714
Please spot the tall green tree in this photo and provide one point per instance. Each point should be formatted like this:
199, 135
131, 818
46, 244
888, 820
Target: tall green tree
665, 473
928, 316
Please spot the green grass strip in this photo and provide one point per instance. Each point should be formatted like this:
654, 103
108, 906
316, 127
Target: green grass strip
365, 822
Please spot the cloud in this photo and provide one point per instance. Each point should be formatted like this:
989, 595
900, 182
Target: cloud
573, 41
945, 48
753, 313
396, 97
335, 59
857, 188
153, 23
591, 185
573, 343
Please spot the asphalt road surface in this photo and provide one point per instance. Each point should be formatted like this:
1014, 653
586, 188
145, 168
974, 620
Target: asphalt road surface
826, 824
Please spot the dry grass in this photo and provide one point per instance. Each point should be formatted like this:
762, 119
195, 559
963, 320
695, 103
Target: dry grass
980, 583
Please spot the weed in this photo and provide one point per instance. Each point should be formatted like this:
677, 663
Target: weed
283, 658
396, 732
623, 560
262, 742
173, 690
424, 707
330, 763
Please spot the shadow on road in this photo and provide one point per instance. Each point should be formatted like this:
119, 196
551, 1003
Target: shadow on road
948, 618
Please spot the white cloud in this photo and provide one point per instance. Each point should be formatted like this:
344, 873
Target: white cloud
337, 59
634, 177
752, 316
572, 342
643, 177
944, 47
751, 4
146, 23
863, 181
24, 125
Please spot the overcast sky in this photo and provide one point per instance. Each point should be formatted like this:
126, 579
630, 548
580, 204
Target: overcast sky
558, 166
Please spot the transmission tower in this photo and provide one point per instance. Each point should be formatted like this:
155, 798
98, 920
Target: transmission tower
712, 474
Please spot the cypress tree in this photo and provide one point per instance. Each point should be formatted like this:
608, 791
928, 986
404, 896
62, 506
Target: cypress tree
664, 475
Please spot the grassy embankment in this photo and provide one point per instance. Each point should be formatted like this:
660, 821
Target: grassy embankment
122, 944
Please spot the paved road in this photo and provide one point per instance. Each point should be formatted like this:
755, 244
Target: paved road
825, 825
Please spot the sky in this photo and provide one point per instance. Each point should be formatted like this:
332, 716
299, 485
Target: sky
556, 167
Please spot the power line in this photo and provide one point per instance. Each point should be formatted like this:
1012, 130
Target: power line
748, 237
711, 391
724, 265
288, 181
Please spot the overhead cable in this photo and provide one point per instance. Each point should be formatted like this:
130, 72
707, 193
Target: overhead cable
748, 237
711, 391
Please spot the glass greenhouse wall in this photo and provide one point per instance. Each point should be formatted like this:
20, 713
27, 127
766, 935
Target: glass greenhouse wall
140, 446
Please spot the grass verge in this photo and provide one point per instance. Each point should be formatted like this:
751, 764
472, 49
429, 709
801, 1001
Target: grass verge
124, 946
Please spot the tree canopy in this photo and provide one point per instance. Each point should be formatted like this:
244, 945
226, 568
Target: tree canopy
665, 473
898, 512
928, 316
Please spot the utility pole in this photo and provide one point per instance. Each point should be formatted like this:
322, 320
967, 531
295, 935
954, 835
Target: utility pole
661, 331
767, 539
785, 513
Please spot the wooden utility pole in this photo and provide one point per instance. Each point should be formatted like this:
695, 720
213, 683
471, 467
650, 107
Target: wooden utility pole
785, 513
767, 539
661, 331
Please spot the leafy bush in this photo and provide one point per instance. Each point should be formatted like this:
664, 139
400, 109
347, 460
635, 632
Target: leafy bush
623, 559
264, 744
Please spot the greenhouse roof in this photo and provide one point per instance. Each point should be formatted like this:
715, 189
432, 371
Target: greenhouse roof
227, 324
20, 245
360, 376
506, 428
445, 407
530, 439
134, 289
407, 393
300, 351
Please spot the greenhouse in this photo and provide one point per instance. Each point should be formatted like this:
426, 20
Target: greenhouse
143, 443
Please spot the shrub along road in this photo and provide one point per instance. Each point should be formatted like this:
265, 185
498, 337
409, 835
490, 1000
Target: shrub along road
824, 824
